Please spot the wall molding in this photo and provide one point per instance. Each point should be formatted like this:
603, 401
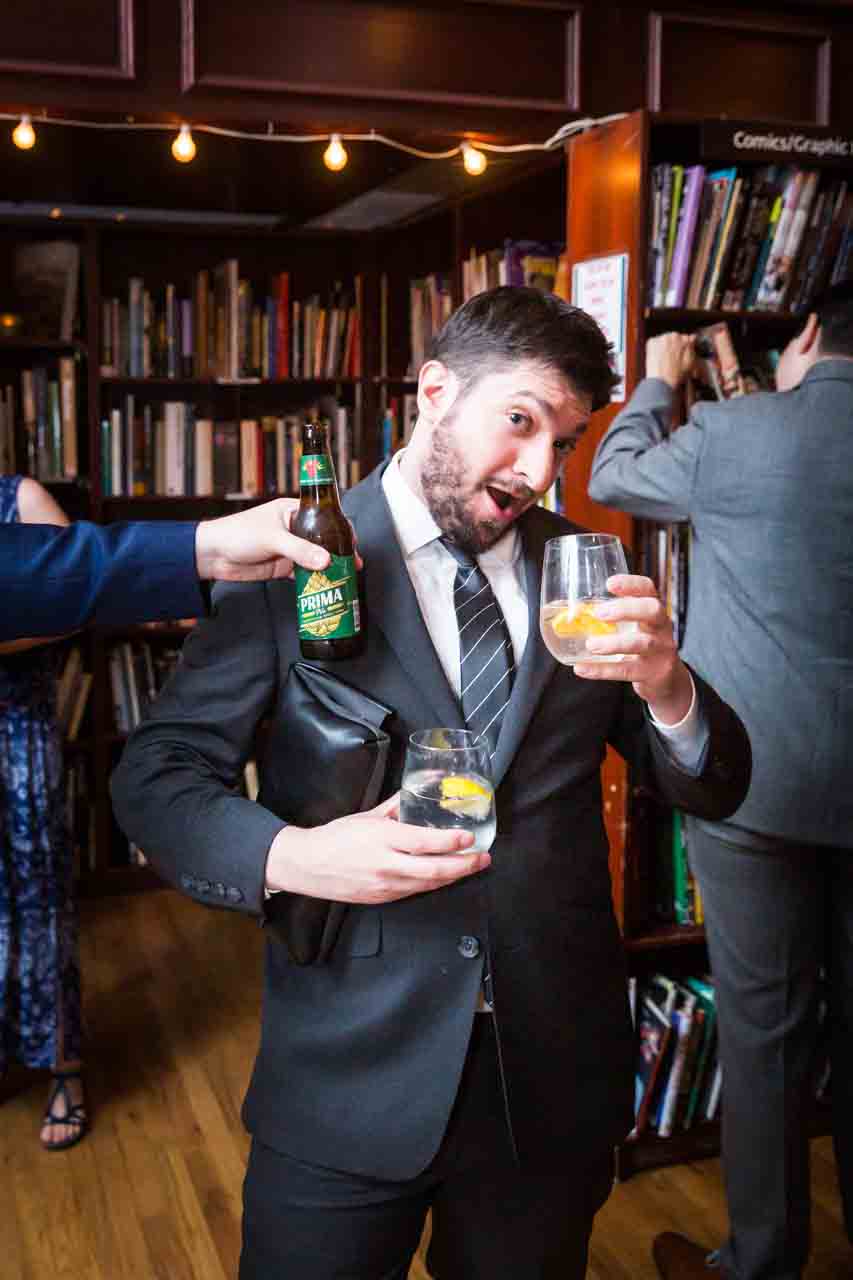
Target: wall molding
123, 69
821, 38
193, 78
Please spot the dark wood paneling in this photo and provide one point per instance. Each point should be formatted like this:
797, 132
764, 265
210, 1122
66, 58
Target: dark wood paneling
469, 53
81, 38
715, 66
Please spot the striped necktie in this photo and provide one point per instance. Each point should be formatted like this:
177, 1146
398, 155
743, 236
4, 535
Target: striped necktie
486, 659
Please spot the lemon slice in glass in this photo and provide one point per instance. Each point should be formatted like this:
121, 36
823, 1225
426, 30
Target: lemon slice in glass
466, 797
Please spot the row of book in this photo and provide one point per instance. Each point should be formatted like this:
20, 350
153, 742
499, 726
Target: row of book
764, 239
168, 448
227, 330
138, 671
430, 304
541, 264
38, 421
662, 553
677, 898
678, 1078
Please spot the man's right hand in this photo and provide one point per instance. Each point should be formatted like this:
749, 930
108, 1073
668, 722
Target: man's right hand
669, 357
370, 857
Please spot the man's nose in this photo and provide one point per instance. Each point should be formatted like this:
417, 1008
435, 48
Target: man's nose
536, 465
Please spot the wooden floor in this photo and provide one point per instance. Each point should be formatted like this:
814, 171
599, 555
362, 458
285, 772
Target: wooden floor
154, 1191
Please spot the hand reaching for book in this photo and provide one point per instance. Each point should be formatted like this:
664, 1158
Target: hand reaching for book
669, 357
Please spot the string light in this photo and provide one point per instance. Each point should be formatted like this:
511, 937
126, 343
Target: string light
474, 161
183, 148
24, 136
335, 155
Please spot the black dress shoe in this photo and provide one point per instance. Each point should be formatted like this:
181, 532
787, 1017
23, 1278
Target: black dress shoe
677, 1258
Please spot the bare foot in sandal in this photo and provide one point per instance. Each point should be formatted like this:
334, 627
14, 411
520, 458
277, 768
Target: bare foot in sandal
65, 1120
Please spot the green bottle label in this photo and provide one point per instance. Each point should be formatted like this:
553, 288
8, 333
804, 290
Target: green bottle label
315, 468
327, 600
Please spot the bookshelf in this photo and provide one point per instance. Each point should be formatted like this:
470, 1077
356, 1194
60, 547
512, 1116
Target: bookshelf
610, 210
372, 269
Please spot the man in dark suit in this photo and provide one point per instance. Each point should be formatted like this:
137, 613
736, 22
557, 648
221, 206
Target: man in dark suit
766, 482
55, 580
467, 1046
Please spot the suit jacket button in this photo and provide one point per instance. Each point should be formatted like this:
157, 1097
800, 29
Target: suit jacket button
234, 895
468, 946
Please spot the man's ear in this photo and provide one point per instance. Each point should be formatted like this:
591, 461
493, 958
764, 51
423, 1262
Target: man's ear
438, 388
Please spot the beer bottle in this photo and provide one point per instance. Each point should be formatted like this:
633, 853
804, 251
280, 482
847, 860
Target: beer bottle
329, 615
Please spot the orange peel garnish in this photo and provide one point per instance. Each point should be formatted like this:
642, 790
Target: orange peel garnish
581, 622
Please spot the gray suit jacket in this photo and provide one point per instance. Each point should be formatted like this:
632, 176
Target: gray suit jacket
766, 482
360, 1058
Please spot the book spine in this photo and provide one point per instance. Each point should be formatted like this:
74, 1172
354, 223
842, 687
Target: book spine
682, 1020
675, 215
764, 253
68, 413
768, 287
204, 457
677, 286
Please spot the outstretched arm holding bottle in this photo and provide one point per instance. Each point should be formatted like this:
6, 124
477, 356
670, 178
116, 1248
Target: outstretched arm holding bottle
56, 580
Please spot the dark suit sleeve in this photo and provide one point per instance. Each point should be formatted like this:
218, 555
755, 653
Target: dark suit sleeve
721, 784
55, 580
174, 791
639, 468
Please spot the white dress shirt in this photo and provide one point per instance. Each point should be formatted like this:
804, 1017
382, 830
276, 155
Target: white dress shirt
432, 571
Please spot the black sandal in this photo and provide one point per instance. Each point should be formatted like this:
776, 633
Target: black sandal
75, 1115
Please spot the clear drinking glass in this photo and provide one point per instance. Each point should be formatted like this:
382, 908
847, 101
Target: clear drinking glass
574, 578
447, 782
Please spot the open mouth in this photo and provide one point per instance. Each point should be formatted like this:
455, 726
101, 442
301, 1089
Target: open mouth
502, 500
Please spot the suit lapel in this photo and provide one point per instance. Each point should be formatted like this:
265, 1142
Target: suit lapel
392, 605
537, 665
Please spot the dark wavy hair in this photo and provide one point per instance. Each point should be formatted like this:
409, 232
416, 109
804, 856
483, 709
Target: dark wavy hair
515, 323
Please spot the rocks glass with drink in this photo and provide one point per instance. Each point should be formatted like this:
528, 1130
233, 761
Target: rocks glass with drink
574, 581
447, 783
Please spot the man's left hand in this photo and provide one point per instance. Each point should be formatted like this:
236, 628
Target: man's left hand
651, 664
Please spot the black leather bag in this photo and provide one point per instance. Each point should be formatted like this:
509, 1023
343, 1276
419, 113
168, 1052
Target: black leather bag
325, 757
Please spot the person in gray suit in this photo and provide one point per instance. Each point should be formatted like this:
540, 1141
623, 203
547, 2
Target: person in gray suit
766, 482
466, 1045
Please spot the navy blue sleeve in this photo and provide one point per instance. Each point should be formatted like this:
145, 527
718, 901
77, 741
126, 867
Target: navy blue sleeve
54, 580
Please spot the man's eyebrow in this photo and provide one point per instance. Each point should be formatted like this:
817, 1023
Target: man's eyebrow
549, 410
545, 405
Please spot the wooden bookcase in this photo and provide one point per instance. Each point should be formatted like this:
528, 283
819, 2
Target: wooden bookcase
608, 204
522, 200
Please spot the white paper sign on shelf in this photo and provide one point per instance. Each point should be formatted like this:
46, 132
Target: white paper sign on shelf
600, 286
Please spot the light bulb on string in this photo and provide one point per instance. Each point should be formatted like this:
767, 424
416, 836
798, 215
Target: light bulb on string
24, 135
474, 161
183, 147
335, 155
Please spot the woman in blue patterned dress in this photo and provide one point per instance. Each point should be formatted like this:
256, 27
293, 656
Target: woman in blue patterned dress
39, 971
